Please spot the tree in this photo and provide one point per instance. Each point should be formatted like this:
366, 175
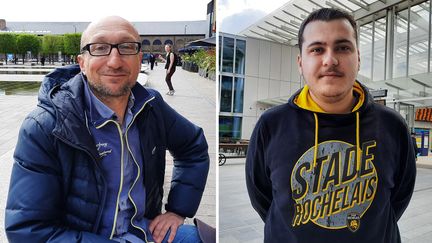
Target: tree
7, 44
51, 45
27, 42
72, 44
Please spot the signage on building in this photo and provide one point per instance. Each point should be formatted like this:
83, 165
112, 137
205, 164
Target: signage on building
378, 93
423, 114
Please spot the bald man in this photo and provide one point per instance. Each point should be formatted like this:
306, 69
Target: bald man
89, 164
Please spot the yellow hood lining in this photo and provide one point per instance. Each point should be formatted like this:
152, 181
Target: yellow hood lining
304, 99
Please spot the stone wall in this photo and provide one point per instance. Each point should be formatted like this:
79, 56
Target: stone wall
2, 24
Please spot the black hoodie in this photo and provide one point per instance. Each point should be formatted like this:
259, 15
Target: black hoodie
320, 177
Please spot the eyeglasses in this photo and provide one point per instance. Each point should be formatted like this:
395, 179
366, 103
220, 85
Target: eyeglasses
104, 49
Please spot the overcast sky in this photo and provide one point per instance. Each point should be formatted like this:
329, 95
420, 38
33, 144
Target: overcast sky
89, 10
236, 15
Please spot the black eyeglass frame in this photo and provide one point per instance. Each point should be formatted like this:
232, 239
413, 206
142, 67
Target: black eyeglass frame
87, 48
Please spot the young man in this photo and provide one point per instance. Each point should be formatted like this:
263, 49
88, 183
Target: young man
90, 159
330, 165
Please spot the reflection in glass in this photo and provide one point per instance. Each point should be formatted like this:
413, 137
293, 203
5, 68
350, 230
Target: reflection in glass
365, 48
230, 127
419, 37
220, 53
238, 94
226, 94
400, 44
379, 49
228, 55
240, 56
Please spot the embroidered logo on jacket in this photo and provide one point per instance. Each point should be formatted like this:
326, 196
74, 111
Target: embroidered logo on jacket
102, 149
337, 190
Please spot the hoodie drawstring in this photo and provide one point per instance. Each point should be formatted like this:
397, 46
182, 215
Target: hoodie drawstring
358, 140
316, 141
358, 152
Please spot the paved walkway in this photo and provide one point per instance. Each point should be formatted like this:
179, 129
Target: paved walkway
195, 99
238, 222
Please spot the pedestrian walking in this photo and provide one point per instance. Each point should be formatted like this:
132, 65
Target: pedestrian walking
152, 60
170, 66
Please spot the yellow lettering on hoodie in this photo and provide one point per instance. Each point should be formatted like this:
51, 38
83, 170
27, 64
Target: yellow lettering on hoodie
333, 182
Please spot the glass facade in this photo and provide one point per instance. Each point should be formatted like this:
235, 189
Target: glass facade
226, 94
240, 56
228, 55
238, 95
365, 46
419, 37
398, 48
229, 127
379, 51
400, 44
231, 85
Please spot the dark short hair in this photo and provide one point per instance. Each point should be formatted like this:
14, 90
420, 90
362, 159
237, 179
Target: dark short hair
326, 14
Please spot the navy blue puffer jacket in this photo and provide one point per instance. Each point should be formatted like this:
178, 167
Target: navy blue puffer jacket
57, 189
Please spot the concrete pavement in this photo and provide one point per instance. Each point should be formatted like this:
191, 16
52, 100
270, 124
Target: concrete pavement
195, 99
238, 222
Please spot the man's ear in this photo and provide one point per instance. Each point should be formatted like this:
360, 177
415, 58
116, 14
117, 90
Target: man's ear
81, 60
299, 64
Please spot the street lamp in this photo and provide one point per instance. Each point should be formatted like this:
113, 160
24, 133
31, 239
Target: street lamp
184, 41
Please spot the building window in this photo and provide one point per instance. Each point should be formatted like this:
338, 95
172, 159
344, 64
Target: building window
230, 127
168, 42
228, 55
146, 45
379, 51
238, 95
240, 57
400, 44
157, 42
220, 53
419, 38
366, 52
226, 94
231, 85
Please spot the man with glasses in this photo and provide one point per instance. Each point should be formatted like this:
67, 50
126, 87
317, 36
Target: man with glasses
90, 159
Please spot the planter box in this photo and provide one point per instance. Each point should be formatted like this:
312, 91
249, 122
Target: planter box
194, 68
211, 75
202, 72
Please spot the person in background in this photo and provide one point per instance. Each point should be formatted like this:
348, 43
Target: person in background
152, 60
170, 66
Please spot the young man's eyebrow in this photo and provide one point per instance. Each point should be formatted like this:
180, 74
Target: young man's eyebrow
339, 41
343, 41
315, 43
